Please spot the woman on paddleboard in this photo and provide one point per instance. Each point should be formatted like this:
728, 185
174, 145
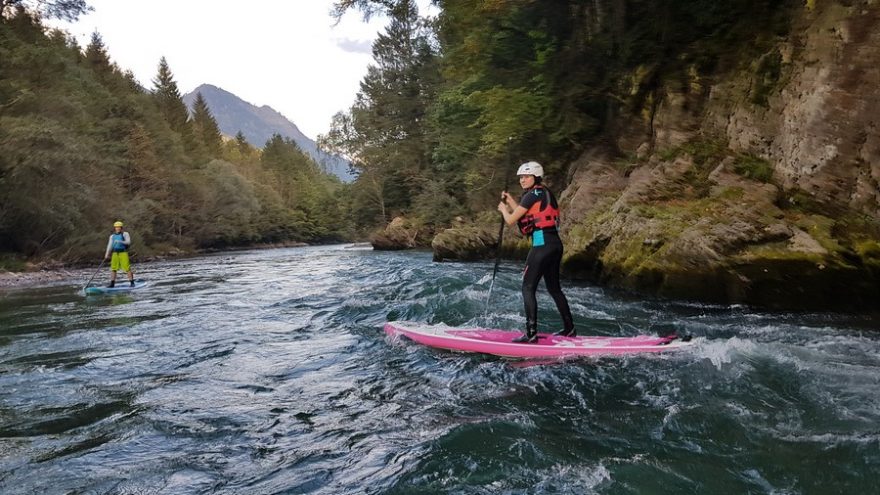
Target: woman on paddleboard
537, 216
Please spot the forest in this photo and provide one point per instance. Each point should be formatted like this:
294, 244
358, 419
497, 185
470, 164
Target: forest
82, 145
448, 107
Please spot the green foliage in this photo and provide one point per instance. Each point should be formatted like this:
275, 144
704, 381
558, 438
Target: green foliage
39, 161
508, 113
168, 100
12, 262
207, 132
869, 251
768, 72
801, 201
228, 207
752, 167
706, 153
439, 203
302, 188
96, 56
821, 229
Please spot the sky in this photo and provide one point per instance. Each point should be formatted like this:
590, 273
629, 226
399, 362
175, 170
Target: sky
283, 53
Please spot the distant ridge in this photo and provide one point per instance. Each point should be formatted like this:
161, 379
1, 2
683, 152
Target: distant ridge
258, 124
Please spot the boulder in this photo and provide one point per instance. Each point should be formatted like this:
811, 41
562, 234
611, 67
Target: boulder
478, 241
399, 234
467, 243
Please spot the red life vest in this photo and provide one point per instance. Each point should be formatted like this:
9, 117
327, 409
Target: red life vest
543, 214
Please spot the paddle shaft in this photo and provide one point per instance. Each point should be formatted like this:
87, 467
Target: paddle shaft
96, 272
500, 236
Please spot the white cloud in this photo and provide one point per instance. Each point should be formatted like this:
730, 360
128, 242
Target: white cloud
355, 46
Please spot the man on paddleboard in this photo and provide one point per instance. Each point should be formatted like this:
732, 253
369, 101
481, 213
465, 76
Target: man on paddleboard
118, 245
537, 216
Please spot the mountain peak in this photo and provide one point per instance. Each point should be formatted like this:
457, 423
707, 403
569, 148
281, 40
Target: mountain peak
259, 124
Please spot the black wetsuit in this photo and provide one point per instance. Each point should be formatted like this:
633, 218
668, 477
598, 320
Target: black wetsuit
543, 260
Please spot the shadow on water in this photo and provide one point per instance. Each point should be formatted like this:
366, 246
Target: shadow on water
268, 372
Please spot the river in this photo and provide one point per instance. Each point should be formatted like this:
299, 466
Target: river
268, 372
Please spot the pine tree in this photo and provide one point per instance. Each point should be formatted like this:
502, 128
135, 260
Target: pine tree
205, 126
168, 98
170, 103
243, 146
96, 53
144, 170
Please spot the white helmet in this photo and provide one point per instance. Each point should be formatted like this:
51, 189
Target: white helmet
531, 168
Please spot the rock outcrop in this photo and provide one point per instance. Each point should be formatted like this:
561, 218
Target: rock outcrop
478, 240
718, 237
820, 121
399, 234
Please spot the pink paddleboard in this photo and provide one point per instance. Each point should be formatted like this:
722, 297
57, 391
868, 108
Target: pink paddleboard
498, 342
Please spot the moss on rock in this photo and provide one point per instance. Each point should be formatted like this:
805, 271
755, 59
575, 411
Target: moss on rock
722, 237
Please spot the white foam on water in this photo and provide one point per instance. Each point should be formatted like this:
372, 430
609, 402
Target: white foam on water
744, 413
590, 312
501, 321
475, 294
723, 352
580, 479
359, 302
755, 476
830, 440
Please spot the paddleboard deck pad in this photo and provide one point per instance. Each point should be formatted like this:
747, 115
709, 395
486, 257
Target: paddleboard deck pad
122, 286
498, 342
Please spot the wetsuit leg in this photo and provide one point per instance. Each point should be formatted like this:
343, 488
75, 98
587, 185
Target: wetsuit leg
551, 280
531, 275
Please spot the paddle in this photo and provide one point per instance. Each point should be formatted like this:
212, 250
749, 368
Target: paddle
500, 234
93, 275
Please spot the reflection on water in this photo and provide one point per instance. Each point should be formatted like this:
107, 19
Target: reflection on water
268, 372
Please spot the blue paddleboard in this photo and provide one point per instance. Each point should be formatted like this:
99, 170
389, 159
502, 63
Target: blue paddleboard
122, 286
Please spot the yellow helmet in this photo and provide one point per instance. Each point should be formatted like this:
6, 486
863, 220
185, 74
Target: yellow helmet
117, 224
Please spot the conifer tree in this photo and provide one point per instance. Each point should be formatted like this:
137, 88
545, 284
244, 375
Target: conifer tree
96, 51
144, 171
243, 146
205, 126
96, 56
168, 97
170, 103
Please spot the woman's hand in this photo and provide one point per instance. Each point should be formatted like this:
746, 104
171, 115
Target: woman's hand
507, 199
502, 207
